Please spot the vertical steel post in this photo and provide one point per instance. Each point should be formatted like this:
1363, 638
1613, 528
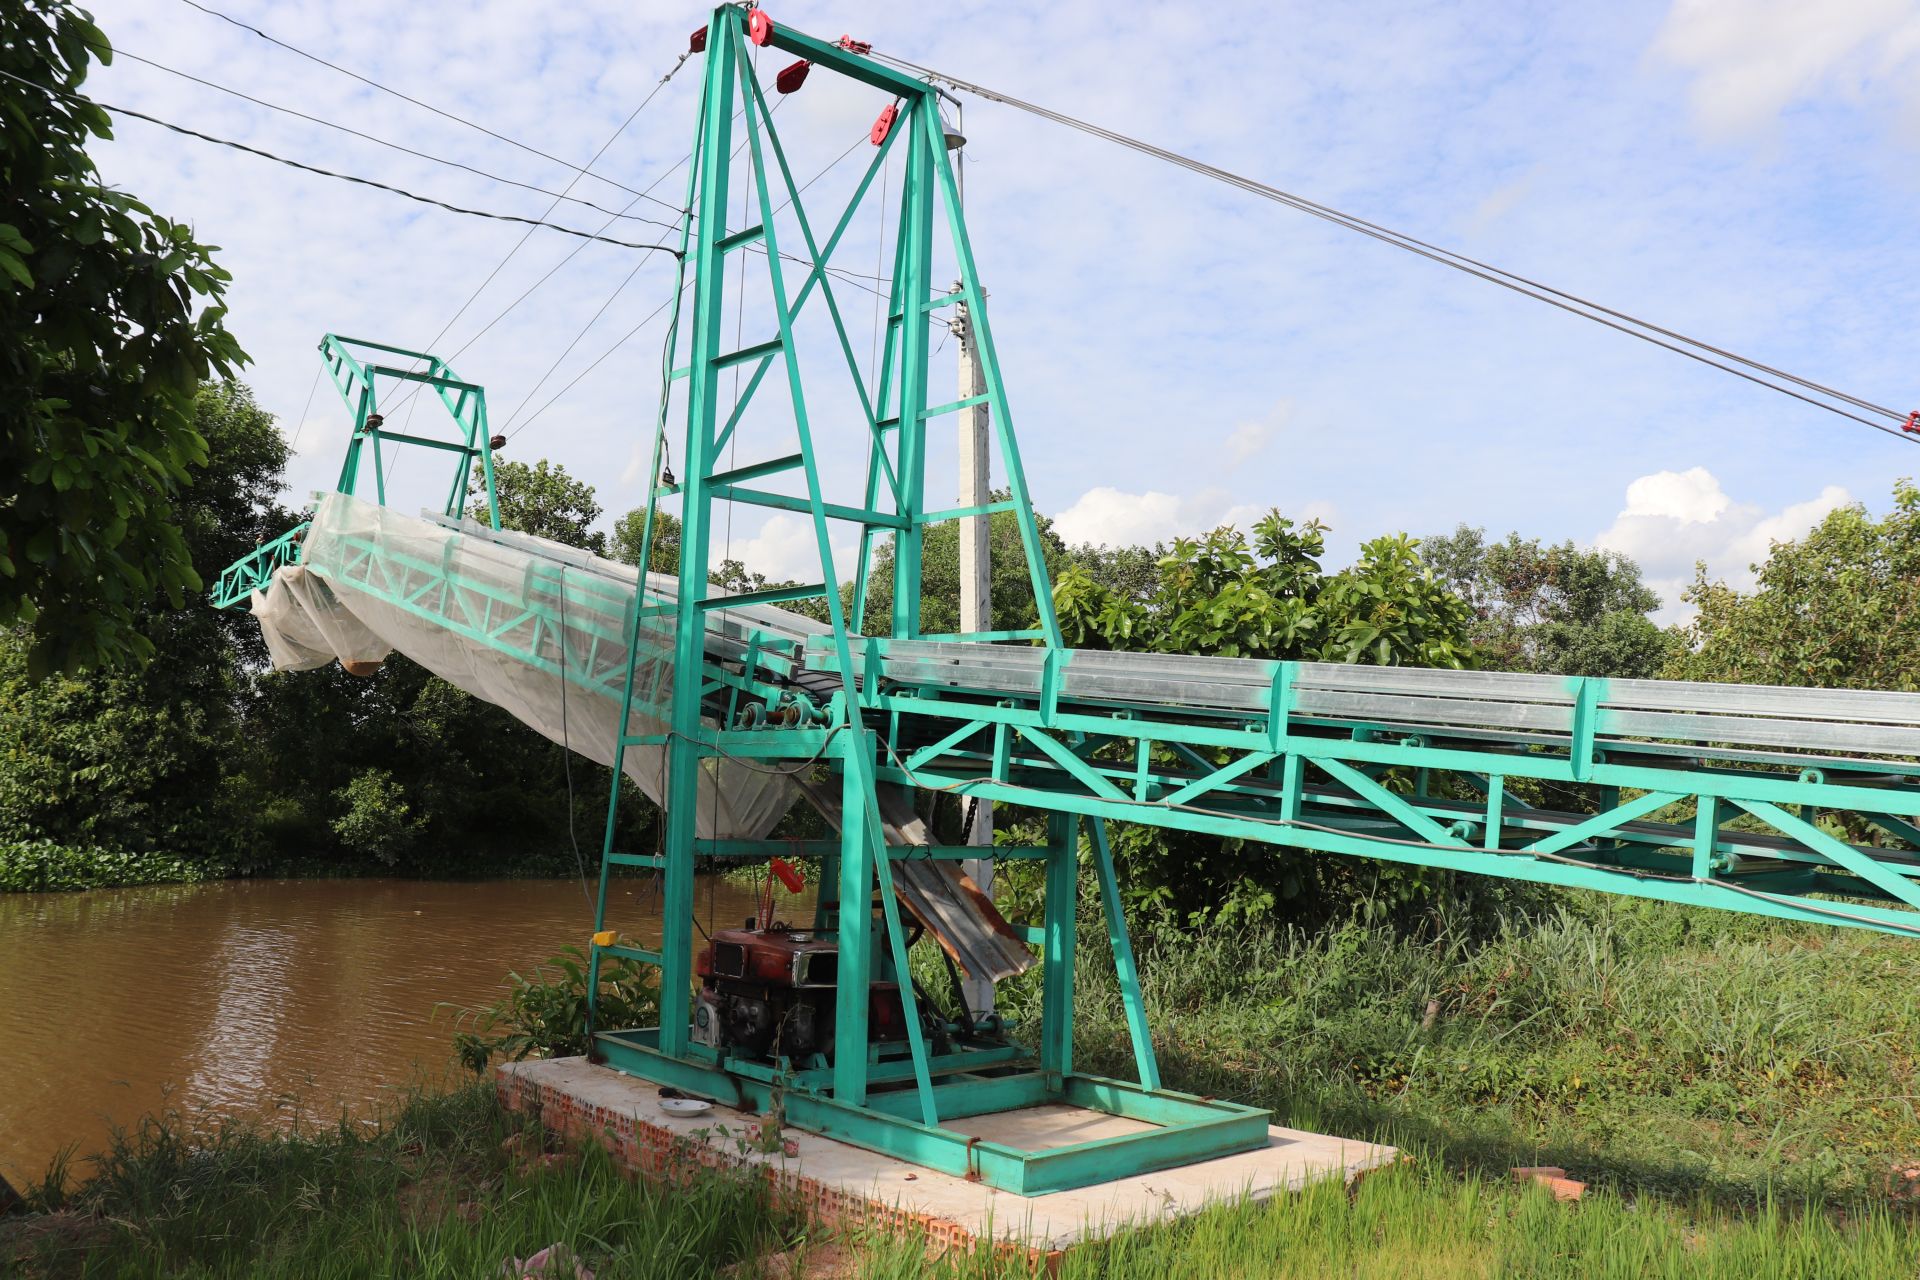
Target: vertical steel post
1057, 945
913, 273
1124, 967
856, 935
685, 748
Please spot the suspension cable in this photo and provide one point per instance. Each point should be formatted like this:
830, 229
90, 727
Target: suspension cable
356, 179
1623, 322
530, 149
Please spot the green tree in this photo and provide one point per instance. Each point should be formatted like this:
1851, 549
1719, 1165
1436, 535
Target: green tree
1221, 595
151, 759
1833, 610
1224, 595
376, 821
1552, 607
630, 531
543, 500
111, 320
1011, 586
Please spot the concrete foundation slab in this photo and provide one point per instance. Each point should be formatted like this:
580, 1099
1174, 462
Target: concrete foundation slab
848, 1186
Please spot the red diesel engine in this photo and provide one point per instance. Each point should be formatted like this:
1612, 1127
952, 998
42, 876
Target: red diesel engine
770, 993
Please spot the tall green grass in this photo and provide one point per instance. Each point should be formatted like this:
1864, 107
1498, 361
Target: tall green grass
448, 1189
1416, 1222
1646, 1048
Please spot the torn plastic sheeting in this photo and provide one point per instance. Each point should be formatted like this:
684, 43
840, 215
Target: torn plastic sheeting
306, 627
559, 667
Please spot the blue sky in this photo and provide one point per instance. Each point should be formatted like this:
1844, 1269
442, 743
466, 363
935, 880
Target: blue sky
1177, 353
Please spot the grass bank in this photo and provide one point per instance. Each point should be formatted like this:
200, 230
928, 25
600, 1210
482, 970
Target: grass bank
448, 1186
1647, 1048
453, 1187
1421, 1223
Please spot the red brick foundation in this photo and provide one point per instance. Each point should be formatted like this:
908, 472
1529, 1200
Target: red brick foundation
653, 1152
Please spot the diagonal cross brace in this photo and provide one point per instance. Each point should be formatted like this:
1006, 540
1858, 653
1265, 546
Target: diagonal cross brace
1891, 882
1601, 823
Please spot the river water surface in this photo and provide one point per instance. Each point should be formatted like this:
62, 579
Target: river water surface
256, 997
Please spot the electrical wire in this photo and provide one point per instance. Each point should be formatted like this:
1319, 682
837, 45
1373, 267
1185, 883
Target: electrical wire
335, 125
413, 393
329, 173
305, 409
425, 106
846, 277
1620, 321
572, 382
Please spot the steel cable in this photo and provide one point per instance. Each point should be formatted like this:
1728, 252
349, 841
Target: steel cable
1623, 322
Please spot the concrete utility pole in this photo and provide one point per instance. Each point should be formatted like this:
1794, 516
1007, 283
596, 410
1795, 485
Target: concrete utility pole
976, 585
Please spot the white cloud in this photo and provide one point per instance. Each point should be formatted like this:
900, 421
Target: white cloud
1752, 59
1251, 438
1674, 519
1105, 516
784, 549
1692, 496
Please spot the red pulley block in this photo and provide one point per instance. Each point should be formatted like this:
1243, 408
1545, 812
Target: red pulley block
789, 875
699, 42
792, 77
759, 27
884, 125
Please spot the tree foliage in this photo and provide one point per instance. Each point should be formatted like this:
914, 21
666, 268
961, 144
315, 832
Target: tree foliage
1225, 595
629, 532
1010, 583
111, 319
147, 758
1836, 609
1269, 598
543, 500
202, 761
1552, 608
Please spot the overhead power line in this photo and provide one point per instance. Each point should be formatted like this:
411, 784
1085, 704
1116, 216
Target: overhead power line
520, 244
330, 173
335, 125
836, 272
425, 106
1819, 395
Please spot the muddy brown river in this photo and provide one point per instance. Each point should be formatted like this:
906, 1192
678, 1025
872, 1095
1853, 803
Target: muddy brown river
263, 998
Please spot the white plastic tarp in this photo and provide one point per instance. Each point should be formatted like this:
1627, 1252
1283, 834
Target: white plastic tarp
534, 627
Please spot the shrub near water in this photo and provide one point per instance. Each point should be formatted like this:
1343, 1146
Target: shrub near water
43, 866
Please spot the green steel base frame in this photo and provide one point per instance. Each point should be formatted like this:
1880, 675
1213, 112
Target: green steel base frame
1186, 1129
